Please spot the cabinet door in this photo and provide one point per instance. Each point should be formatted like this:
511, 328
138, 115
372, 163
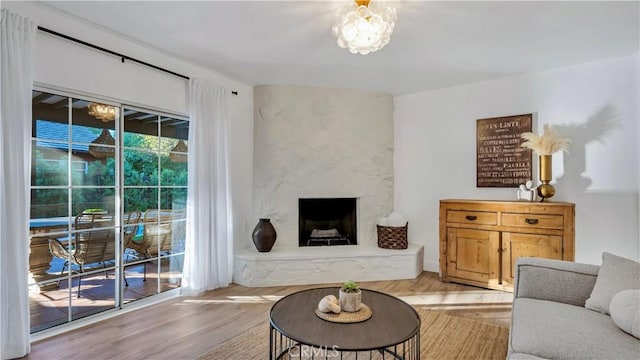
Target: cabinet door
515, 245
473, 255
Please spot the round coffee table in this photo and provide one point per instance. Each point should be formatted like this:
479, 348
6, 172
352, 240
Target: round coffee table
295, 329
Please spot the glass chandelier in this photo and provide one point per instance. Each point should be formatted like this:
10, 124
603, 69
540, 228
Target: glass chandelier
365, 26
102, 112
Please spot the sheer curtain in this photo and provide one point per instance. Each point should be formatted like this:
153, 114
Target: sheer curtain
17, 35
209, 246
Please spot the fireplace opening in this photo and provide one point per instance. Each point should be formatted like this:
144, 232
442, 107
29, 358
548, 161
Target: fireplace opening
327, 221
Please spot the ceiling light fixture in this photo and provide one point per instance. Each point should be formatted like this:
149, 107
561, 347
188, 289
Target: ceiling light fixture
179, 152
102, 112
103, 146
365, 26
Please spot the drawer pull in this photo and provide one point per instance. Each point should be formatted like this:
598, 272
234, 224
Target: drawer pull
471, 217
531, 221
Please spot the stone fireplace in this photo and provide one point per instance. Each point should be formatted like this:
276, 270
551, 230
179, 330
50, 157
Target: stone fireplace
334, 148
316, 143
327, 221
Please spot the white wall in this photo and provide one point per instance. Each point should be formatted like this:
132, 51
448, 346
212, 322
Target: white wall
76, 68
319, 143
595, 105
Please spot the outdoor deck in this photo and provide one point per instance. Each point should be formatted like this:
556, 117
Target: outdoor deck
50, 306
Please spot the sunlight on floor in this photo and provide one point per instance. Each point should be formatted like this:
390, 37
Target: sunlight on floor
448, 299
234, 299
460, 298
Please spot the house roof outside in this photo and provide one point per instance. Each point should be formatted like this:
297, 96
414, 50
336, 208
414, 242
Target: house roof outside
82, 136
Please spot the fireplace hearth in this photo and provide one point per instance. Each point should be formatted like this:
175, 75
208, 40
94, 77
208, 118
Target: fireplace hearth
327, 221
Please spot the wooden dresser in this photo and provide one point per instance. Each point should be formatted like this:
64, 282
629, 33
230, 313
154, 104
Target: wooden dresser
480, 240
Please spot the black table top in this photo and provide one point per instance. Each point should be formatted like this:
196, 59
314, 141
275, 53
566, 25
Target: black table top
393, 321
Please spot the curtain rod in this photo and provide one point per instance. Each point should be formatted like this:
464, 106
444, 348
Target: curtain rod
121, 56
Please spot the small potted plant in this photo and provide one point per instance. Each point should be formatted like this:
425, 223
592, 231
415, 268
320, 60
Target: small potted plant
350, 296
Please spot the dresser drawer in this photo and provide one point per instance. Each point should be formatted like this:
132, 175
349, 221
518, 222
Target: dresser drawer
472, 217
533, 220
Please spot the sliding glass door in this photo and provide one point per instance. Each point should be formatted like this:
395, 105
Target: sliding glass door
107, 219
155, 191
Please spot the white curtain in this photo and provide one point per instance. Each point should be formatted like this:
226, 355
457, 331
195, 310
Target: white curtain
209, 245
17, 35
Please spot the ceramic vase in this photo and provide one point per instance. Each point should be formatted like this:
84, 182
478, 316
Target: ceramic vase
264, 235
350, 302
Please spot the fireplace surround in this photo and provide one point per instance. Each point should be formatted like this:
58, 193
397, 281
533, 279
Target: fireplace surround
321, 143
315, 143
327, 221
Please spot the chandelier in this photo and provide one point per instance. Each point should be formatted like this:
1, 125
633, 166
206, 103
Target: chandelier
102, 112
365, 26
104, 145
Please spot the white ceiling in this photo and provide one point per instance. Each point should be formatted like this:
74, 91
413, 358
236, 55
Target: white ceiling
436, 44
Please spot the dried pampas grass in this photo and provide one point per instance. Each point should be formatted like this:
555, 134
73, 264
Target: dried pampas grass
547, 143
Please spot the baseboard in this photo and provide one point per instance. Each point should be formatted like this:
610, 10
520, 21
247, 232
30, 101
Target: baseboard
432, 266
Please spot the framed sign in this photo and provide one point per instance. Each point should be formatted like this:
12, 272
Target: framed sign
500, 161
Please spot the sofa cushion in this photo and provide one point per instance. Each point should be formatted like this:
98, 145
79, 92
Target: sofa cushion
616, 274
546, 279
555, 330
625, 311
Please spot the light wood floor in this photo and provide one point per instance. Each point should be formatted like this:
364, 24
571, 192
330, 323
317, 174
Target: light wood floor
186, 327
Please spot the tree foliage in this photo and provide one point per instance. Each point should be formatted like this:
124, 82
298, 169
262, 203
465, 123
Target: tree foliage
146, 168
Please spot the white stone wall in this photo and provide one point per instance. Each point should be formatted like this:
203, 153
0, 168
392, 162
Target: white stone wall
323, 264
318, 142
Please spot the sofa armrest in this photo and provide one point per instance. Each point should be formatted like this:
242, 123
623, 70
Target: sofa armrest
554, 280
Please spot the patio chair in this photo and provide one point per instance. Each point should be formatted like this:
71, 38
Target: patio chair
93, 242
157, 234
130, 232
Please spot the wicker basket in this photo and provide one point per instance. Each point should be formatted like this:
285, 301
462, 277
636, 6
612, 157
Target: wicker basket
392, 237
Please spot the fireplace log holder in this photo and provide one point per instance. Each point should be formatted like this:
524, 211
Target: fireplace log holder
328, 240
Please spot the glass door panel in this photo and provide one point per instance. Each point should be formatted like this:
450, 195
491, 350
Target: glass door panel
86, 231
96, 292
50, 163
141, 194
93, 254
49, 220
171, 271
73, 232
140, 130
140, 167
174, 198
140, 199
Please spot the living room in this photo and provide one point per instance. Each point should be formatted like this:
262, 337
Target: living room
391, 148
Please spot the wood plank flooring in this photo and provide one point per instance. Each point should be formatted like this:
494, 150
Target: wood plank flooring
186, 327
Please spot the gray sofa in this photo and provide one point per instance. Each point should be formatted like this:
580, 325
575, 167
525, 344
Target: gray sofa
549, 319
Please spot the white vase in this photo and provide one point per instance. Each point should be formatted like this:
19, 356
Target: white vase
350, 302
